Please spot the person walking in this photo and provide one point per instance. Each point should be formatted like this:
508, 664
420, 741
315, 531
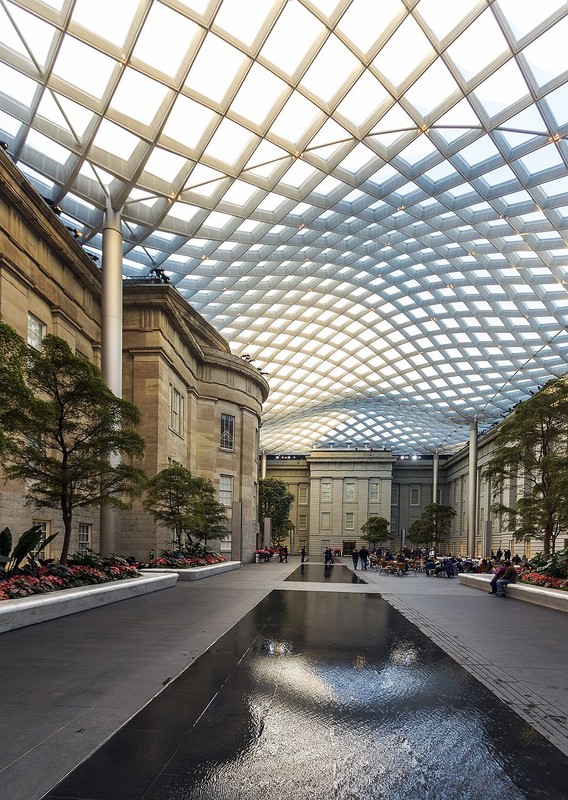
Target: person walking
285, 552
364, 557
355, 558
303, 554
509, 576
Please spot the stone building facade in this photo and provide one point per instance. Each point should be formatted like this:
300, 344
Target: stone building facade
200, 405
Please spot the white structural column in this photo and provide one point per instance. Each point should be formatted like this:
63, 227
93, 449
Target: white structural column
111, 353
435, 468
472, 488
263, 465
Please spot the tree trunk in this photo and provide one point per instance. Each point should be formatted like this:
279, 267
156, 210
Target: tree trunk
67, 524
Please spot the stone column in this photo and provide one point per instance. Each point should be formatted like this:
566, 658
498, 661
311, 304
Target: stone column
472, 488
435, 469
263, 465
111, 352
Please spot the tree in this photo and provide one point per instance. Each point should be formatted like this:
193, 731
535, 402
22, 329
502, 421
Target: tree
14, 393
531, 452
275, 502
169, 500
67, 426
433, 526
208, 517
376, 530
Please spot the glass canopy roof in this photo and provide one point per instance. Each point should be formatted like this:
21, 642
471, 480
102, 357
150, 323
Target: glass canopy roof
368, 200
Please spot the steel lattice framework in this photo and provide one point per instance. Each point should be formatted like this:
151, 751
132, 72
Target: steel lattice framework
367, 198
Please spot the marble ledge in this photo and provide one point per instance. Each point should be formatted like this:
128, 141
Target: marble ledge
195, 573
25, 611
556, 599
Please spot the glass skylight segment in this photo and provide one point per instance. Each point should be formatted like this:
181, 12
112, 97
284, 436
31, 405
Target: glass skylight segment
295, 118
47, 146
244, 27
116, 140
296, 24
94, 73
504, 88
364, 99
432, 89
523, 18
547, 56
138, 97
228, 142
109, 19
164, 165
355, 22
9, 124
239, 193
215, 67
298, 174
410, 40
540, 160
333, 67
259, 94
165, 39
177, 127
17, 86
31, 37
467, 54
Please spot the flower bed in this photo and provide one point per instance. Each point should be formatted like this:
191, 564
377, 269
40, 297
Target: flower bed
54, 577
187, 562
545, 581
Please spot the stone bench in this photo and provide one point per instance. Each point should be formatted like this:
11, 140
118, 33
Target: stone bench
550, 598
195, 573
41, 607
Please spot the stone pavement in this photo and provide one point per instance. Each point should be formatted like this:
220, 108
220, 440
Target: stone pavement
67, 685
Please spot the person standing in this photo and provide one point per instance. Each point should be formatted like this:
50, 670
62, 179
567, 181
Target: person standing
281, 553
303, 554
507, 555
328, 558
498, 554
285, 552
355, 558
364, 556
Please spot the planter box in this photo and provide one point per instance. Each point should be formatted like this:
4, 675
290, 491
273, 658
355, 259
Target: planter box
550, 598
41, 607
195, 573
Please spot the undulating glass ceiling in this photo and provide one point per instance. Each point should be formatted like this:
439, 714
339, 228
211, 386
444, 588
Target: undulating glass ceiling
369, 200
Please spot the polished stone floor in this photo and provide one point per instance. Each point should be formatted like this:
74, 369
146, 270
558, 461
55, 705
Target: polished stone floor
321, 695
248, 685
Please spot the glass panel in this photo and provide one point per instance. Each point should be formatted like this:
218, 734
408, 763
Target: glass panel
410, 40
132, 87
296, 24
106, 18
31, 37
332, 68
260, 93
547, 57
214, 69
165, 39
96, 68
466, 53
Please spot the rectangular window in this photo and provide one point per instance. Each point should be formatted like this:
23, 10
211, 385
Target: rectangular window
176, 411
325, 520
36, 332
227, 441
349, 492
303, 495
326, 492
394, 494
173, 463
349, 521
83, 537
374, 491
302, 522
415, 496
226, 490
46, 528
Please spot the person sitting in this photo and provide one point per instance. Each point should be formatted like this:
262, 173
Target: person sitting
509, 576
429, 566
497, 573
485, 566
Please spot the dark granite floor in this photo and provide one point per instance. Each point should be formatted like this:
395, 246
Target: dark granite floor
315, 695
330, 692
